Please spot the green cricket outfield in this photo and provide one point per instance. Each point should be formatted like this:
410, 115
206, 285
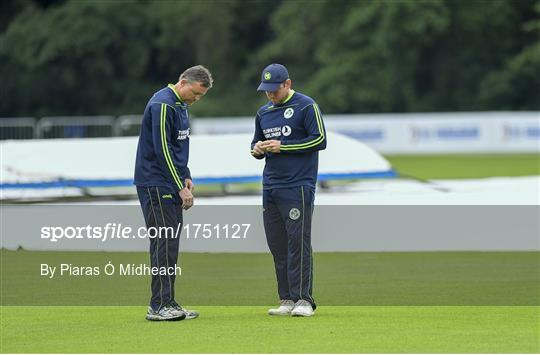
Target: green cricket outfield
429, 302
449, 302
246, 329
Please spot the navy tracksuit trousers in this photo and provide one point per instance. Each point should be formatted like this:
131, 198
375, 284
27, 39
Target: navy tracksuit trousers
162, 207
287, 223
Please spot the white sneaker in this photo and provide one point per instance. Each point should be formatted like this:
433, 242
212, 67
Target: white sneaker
284, 309
302, 308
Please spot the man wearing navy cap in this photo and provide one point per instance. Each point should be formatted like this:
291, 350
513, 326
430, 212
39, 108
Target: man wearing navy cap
289, 132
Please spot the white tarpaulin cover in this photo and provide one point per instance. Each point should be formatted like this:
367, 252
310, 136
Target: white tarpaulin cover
109, 162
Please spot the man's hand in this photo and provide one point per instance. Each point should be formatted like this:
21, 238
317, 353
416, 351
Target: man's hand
271, 146
257, 149
190, 185
187, 198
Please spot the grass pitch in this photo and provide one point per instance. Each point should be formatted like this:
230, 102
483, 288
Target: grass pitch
334, 329
247, 279
440, 302
465, 166
466, 302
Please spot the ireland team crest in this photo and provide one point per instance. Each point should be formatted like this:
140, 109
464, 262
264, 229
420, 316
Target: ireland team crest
288, 113
294, 214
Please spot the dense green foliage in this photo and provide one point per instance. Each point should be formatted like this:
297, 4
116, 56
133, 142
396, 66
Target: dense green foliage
107, 57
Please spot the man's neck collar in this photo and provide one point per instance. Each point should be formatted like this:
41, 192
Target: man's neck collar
173, 88
291, 93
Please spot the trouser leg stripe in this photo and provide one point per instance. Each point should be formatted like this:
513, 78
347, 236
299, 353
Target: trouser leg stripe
156, 252
302, 244
166, 244
310, 272
311, 258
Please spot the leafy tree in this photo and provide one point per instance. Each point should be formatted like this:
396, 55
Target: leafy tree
79, 58
397, 56
106, 57
516, 86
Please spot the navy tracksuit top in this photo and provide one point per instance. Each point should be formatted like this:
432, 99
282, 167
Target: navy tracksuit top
163, 149
296, 122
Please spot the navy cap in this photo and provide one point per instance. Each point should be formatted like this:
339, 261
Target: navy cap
272, 77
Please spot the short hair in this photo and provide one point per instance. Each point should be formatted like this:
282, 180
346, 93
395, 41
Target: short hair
198, 73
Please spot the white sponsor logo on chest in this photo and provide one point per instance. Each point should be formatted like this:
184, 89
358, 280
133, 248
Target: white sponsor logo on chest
277, 132
272, 132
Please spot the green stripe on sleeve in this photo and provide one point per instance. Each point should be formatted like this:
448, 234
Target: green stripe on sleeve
314, 142
164, 146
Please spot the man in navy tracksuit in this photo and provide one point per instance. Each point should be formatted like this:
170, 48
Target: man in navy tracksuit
164, 183
289, 132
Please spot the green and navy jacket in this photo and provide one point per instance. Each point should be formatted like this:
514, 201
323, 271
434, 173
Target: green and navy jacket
163, 149
296, 122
